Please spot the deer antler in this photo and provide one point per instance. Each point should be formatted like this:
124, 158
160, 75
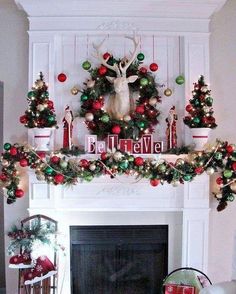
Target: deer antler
133, 55
103, 61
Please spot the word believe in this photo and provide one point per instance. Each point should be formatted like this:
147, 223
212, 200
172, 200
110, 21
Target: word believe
145, 145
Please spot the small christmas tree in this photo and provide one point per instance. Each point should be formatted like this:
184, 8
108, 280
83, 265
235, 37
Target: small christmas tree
40, 113
200, 108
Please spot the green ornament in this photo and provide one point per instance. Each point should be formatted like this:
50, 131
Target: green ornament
196, 120
48, 170
10, 192
218, 155
51, 118
144, 82
105, 118
86, 65
161, 168
7, 146
140, 56
187, 178
31, 94
196, 102
46, 94
63, 164
180, 80
230, 197
88, 178
141, 124
130, 158
124, 164
228, 173
209, 101
83, 97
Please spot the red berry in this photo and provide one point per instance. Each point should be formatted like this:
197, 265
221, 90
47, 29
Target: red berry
198, 170
97, 105
230, 148
138, 161
59, 178
61, 77
19, 193
23, 119
103, 156
116, 130
55, 159
84, 163
140, 109
143, 70
23, 162
155, 182
234, 166
219, 181
189, 108
153, 66
102, 70
106, 56
13, 151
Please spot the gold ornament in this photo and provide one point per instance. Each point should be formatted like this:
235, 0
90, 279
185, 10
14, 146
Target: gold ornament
39, 84
74, 90
40, 107
210, 171
127, 118
90, 83
180, 161
153, 101
233, 187
89, 116
168, 92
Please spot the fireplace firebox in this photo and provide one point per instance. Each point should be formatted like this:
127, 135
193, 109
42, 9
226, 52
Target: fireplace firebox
118, 259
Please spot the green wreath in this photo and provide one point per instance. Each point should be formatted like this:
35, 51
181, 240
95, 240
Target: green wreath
141, 120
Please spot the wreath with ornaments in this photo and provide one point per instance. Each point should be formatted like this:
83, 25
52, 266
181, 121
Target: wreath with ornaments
120, 79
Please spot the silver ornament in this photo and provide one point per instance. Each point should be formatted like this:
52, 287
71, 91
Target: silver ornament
92, 167
210, 171
153, 101
89, 116
40, 177
117, 156
127, 118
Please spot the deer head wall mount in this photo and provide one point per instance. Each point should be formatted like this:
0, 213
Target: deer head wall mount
121, 103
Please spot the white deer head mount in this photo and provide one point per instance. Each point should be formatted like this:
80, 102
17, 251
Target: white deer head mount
121, 104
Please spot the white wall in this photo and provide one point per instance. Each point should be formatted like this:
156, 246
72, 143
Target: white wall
14, 74
223, 81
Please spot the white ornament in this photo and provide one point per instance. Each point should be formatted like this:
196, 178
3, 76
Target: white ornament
92, 167
40, 107
117, 156
90, 83
89, 116
153, 101
210, 171
127, 118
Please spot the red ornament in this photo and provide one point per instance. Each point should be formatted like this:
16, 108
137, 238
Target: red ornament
219, 181
153, 66
41, 154
23, 119
19, 193
143, 70
84, 163
59, 179
138, 161
199, 170
189, 108
55, 159
13, 151
23, 162
230, 148
234, 166
106, 56
103, 156
97, 105
102, 70
50, 104
205, 120
3, 177
91, 125
62, 77
140, 109
155, 182
116, 130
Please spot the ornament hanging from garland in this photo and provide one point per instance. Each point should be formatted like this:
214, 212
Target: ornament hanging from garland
108, 103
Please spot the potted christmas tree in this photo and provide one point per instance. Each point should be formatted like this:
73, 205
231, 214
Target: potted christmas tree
200, 114
40, 115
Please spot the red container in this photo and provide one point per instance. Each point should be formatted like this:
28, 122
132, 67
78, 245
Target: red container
179, 289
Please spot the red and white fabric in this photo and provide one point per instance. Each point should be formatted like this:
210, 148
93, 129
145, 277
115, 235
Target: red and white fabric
21, 261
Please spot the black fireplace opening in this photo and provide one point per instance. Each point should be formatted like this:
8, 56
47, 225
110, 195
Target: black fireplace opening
118, 259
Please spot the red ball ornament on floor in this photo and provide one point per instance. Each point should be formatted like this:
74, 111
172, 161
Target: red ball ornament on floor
153, 66
106, 56
230, 148
59, 179
23, 119
140, 109
13, 151
116, 130
155, 182
102, 70
189, 108
234, 166
62, 77
23, 162
143, 70
97, 105
19, 193
219, 181
55, 159
138, 161
84, 163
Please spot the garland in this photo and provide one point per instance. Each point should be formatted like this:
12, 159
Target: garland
58, 169
141, 120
